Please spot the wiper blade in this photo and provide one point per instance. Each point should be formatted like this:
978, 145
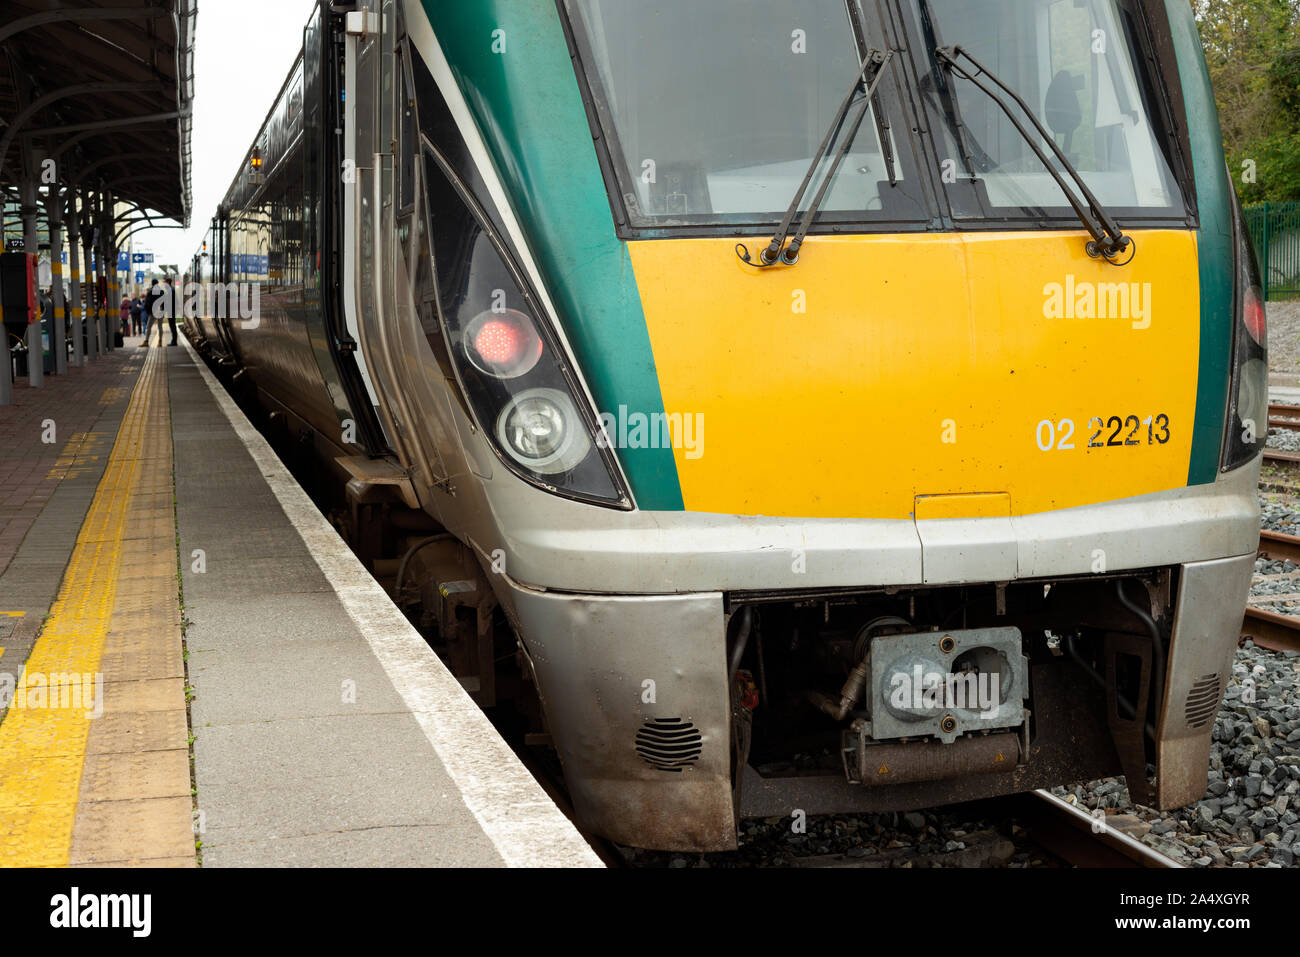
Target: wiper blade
883, 133
1108, 240
950, 111
777, 252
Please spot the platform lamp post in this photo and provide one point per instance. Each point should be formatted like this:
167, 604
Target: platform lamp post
6, 359
93, 346
6, 364
28, 210
74, 266
58, 346
105, 278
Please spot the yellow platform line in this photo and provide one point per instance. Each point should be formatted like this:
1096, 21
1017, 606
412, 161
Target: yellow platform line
43, 748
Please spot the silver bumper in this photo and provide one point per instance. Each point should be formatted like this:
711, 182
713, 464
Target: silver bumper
610, 670
1207, 624
557, 544
613, 669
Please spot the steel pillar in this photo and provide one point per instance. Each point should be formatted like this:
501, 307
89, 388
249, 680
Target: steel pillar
31, 244
94, 347
58, 338
74, 264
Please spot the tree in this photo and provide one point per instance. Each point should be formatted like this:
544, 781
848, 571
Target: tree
1252, 48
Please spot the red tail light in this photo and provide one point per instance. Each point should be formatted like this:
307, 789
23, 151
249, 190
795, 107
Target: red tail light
499, 342
503, 345
1252, 314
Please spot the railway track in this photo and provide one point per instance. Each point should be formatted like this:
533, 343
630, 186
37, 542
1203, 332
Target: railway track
1056, 827
1279, 546
1268, 628
1283, 417
1282, 455
1080, 839
1035, 828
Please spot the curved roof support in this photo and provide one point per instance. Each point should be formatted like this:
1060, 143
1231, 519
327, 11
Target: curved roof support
63, 16
145, 226
78, 89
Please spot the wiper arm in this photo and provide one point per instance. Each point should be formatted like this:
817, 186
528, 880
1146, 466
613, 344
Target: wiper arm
1108, 240
777, 252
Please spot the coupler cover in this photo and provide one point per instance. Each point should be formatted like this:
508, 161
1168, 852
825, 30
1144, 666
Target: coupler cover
947, 683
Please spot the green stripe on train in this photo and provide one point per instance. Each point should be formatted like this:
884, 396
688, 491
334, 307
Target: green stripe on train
1214, 245
529, 110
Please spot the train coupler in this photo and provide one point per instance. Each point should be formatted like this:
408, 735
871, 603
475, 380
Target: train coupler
877, 763
940, 704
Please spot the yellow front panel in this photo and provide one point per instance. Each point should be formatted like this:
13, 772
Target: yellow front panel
882, 368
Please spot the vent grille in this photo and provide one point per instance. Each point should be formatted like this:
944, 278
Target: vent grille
1203, 701
669, 744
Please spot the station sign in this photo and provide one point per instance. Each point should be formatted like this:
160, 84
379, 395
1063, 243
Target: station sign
250, 264
142, 257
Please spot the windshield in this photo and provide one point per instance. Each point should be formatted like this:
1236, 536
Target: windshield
713, 111
1072, 61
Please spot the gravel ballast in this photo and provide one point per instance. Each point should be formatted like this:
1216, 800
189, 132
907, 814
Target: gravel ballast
1250, 816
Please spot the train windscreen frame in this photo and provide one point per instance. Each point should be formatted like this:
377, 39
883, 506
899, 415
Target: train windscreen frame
725, 137
1121, 140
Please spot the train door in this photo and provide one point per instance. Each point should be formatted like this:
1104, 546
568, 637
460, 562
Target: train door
376, 205
343, 370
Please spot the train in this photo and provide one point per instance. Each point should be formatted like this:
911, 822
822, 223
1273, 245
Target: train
771, 408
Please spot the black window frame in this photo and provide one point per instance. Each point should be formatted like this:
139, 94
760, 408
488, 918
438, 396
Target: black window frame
609, 154
1157, 99
917, 145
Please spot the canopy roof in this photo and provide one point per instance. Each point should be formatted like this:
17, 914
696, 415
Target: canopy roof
105, 89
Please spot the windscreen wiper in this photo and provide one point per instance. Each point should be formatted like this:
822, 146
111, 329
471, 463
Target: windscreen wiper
883, 133
1108, 240
777, 252
950, 110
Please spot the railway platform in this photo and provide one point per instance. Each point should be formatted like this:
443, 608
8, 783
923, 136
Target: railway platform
197, 670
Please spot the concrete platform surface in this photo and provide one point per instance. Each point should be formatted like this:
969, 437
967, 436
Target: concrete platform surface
259, 700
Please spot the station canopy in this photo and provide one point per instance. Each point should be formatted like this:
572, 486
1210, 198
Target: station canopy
105, 89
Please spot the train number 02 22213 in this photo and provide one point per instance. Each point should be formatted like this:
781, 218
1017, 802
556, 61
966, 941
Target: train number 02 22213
1106, 432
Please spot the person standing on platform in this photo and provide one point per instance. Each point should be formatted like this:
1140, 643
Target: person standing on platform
172, 294
124, 310
152, 313
137, 315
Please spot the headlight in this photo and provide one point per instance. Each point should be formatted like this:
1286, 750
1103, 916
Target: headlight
541, 430
518, 384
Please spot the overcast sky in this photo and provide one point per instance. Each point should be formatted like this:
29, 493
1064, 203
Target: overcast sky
244, 51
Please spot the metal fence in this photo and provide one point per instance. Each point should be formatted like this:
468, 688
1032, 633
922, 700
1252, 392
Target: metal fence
1275, 232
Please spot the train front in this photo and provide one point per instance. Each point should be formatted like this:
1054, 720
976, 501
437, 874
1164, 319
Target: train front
953, 497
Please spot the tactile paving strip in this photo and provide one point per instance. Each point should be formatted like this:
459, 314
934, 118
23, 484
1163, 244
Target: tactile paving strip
102, 776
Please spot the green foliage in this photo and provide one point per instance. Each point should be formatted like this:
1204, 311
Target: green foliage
1253, 51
